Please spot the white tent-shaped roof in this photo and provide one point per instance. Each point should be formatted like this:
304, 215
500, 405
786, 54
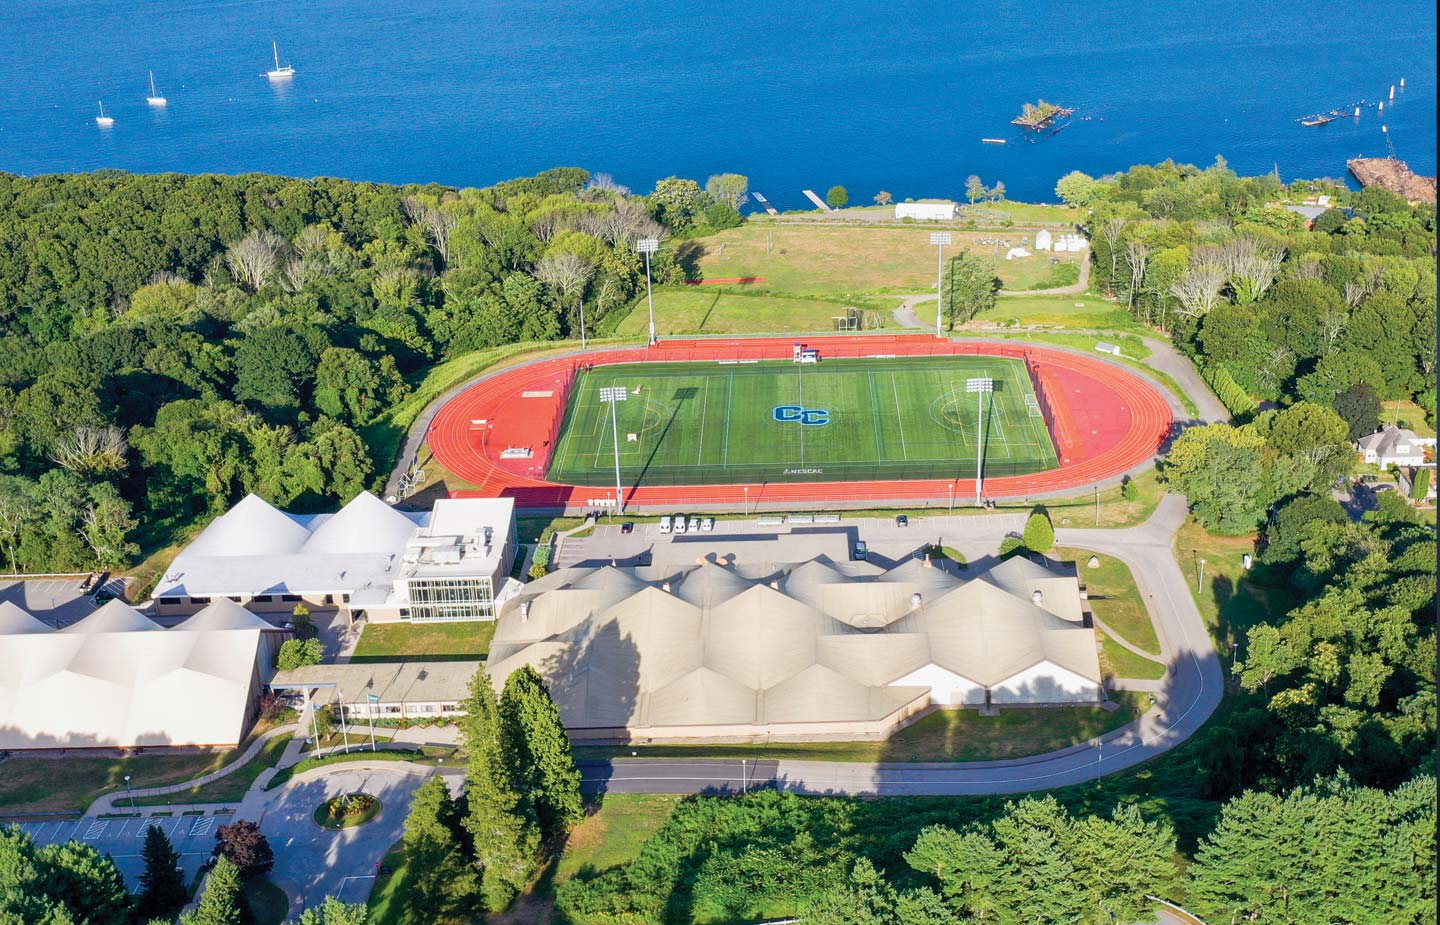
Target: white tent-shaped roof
14, 621
223, 614
117, 679
251, 528
366, 524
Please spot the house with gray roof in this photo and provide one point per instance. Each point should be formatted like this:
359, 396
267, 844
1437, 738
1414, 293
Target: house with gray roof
1394, 446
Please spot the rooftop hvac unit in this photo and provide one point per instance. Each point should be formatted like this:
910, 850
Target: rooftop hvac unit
1038, 597
446, 555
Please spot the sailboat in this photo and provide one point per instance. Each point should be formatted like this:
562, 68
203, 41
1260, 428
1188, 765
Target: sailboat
279, 73
103, 120
155, 99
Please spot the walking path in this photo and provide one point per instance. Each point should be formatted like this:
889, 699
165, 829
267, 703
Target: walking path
108, 802
1189, 693
1127, 644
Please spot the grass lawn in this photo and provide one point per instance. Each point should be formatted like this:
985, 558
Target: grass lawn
723, 310
267, 902
390, 898
1122, 663
945, 735
615, 832
229, 789
1407, 414
1074, 311
699, 423
1036, 211
72, 783
810, 259
1114, 599
466, 639
1228, 600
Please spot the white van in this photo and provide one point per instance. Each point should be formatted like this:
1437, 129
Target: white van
679, 523
665, 524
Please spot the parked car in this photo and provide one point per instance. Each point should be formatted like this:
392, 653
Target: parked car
665, 524
679, 523
707, 524
627, 527
860, 552
901, 520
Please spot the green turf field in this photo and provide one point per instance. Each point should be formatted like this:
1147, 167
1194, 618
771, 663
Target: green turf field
719, 423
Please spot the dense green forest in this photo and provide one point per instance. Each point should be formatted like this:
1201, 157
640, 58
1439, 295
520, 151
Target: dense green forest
172, 342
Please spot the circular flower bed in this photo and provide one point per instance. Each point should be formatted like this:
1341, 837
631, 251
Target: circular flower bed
347, 810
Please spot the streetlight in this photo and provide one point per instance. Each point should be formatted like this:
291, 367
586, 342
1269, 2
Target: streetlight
939, 239
1200, 576
373, 699
981, 386
746, 507
648, 246
128, 792
612, 396
951, 486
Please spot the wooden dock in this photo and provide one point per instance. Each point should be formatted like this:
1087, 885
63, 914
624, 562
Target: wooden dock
1394, 175
764, 203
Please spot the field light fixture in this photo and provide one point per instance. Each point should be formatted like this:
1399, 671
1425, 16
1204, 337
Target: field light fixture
612, 396
940, 239
648, 246
980, 386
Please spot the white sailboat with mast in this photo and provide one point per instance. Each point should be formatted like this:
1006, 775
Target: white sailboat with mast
103, 120
279, 73
155, 99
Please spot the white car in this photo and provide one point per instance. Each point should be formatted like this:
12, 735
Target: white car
679, 523
665, 524
707, 525
694, 524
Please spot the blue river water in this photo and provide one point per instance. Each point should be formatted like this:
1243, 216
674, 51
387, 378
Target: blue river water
796, 95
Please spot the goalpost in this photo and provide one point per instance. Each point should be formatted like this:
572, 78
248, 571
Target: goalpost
1042, 399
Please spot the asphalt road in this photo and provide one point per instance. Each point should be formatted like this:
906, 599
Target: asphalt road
1189, 693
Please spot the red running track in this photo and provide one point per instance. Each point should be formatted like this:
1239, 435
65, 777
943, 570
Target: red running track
1107, 421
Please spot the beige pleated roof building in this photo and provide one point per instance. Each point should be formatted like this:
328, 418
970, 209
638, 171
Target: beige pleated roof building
118, 679
817, 649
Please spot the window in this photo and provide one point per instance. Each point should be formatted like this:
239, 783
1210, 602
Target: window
262, 598
330, 598
439, 599
197, 600
345, 598
290, 598
172, 600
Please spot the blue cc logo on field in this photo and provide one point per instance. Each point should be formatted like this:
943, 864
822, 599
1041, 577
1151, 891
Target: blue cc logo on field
811, 417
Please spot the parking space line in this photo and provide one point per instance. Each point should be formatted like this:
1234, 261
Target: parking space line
178, 821
97, 828
78, 823
201, 826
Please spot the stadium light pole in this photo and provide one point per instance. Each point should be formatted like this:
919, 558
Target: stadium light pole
613, 396
128, 792
981, 386
648, 246
373, 699
939, 239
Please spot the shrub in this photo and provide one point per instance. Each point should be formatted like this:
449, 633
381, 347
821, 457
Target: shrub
1128, 491
1010, 545
1421, 485
1039, 533
246, 846
297, 653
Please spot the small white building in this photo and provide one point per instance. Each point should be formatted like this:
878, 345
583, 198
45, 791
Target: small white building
926, 211
1043, 240
1394, 446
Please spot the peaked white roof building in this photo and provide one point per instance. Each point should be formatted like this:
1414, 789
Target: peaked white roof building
1394, 446
821, 648
368, 559
118, 679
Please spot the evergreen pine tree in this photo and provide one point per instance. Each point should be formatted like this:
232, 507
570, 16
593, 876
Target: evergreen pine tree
221, 903
865, 899
500, 819
86, 881
442, 881
1118, 861
537, 746
162, 886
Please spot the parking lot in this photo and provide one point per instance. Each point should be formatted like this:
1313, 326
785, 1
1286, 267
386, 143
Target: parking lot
58, 601
192, 836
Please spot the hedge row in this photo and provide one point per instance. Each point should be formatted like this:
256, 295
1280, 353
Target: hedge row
1230, 393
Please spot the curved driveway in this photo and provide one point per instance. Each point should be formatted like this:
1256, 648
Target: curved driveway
1188, 694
